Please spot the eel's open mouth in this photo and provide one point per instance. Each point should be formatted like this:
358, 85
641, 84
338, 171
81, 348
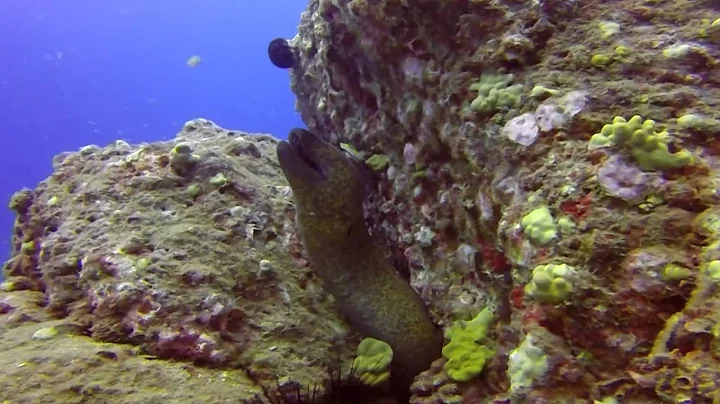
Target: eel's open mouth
295, 141
307, 160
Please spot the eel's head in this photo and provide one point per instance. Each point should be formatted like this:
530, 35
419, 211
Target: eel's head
327, 186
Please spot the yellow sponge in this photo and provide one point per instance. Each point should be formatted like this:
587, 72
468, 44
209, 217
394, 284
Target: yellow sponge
373, 359
465, 354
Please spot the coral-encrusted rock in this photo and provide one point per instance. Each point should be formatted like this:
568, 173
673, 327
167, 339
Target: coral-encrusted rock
397, 79
204, 266
434, 387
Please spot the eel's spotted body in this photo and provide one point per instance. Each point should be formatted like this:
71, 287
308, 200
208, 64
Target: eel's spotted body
328, 192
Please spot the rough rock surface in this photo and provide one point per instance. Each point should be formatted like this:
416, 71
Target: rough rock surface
68, 368
204, 267
394, 79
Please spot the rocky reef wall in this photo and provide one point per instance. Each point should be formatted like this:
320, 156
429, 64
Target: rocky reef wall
513, 173
186, 249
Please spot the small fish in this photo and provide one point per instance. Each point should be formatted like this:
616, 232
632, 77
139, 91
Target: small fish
194, 61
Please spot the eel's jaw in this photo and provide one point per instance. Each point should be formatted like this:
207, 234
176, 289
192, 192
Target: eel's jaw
297, 167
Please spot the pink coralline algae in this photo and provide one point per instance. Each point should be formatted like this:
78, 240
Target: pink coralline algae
552, 114
522, 130
410, 153
624, 180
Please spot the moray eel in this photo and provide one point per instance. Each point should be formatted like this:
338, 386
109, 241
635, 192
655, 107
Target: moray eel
328, 190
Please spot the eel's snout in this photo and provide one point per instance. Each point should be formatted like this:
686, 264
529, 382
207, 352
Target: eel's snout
300, 149
294, 138
301, 138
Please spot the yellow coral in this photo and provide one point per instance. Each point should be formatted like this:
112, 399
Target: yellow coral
551, 283
539, 225
649, 147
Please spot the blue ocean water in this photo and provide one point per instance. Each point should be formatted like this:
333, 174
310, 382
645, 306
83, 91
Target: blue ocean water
78, 72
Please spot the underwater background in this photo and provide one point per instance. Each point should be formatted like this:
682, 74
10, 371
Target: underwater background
489, 202
78, 72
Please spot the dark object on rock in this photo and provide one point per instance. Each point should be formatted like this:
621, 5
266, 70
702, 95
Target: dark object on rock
337, 389
281, 53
